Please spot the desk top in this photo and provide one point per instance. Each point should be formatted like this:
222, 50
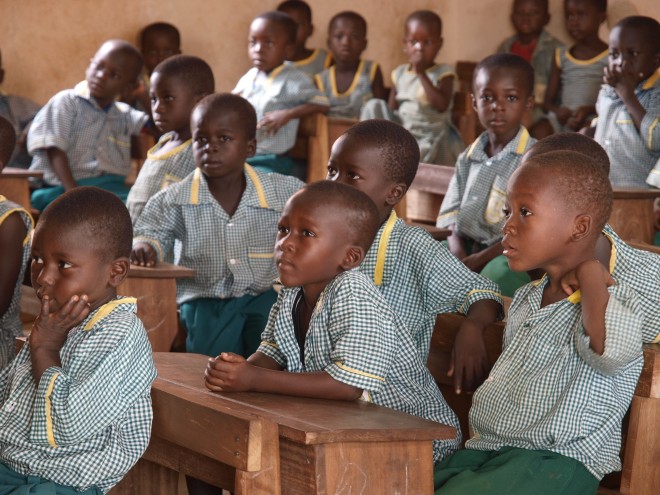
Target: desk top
20, 172
623, 193
161, 270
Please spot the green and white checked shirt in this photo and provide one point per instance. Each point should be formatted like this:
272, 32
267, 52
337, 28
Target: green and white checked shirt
356, 338
84, 424
549, 391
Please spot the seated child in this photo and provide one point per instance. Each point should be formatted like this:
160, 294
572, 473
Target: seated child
421, 98
350, 81
15, 228
225, 215
577, 72
309, 61
76, 404
19, 111
280, 94
417, 275
331, 334
533, 43
548, 418
629, 103
503, 88
177, 85
82, 136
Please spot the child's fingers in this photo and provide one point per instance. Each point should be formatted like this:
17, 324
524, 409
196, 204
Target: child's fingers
230, 357
45, 307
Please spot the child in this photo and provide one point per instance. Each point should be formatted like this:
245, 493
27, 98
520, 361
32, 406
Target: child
76, 406
225, 216
280, 94
350, 81
82, 136
178, 84
417, 275
15, 228
577, 72
503, 88
548, 418
331, 334
311, 62
422, 95
629, 103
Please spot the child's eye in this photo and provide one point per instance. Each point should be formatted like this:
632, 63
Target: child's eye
332, 171
225, 139
486, 97
282, 229
506, 211
37, 259
308, 233
353, 176
169, 98
512, 98
64, 265
524, 212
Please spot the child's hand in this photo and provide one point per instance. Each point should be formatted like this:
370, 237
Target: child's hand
622, 79
593, 269
272, 121
563, 114
143, 255
228, 372
576, 121
469, 364
50, 330
416, 62
474, 261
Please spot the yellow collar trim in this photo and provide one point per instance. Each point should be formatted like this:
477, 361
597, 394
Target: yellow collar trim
152, 156
650, 82
382, 248
354, 83
307, 60
522, 144
257, 185
108, 308
593, 60
274, 73
194, 187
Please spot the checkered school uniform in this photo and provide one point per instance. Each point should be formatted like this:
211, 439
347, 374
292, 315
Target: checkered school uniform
549, 391
475, 197
357, 339
232, 255
319, 59
654, 177
633, 153
87, 422
283, 88
419, 278
349, 103
96, 141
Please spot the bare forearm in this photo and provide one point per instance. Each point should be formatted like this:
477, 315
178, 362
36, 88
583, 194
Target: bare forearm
60, 163
437, 96
635, 109
42, 359
306, 109
595, 297
484, 311
316, 384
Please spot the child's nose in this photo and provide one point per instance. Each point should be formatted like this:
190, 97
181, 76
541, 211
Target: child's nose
42, 275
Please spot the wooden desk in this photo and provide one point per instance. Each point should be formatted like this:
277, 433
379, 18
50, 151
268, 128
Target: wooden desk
632, 214
14, 185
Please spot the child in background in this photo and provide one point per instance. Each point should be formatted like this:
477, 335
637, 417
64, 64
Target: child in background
82, 136
350, 81
577, 72
177, 85
503, 88
629, 103
15, 228
280, 93
225, 216
421, 98
331, 334
417, 275
548, 418
311, 62
76, 404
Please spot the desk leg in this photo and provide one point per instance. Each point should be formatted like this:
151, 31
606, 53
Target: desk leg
642, 448
146, 478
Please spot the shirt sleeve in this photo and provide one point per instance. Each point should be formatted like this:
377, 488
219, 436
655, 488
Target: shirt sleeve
160, 222
268, 345
451, 204
649, 129
303, 91
53, 124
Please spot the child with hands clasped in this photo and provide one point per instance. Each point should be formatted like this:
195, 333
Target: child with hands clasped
331, 334
76, 406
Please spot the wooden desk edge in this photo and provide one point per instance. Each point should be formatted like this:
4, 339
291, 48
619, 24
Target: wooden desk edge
20, 172
161, 270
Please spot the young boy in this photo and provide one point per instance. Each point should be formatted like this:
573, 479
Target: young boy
15, 228
548, 418
76, 406
280, 94
503, 88
331, 334
177, 85
225, 216
417, 275
82, 136
629, 103
350, 81
311, 62
422, 95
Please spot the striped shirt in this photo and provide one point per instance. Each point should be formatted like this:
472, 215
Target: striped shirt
349, 103
86, 423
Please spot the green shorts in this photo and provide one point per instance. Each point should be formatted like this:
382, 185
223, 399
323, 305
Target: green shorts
13, 483
116, 184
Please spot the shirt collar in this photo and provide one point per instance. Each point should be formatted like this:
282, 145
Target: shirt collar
518, 145
253, 195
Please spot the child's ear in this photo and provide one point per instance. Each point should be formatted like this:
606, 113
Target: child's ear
353, 258
118, 271
396, 193
530, 101
251, 147
582, 226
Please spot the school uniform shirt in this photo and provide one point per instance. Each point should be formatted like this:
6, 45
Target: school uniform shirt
319, 60
357, 339
232, 255
19, 112
283, 88
419, 278
654, 177
549, 391
475, 197
633, 153
87, 422
349, 103
96, 141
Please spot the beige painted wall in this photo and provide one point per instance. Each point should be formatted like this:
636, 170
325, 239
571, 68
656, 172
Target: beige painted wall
47, 45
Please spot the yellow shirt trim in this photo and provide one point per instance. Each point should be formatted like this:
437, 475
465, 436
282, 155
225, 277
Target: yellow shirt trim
319, 83
651, 127
49, 416
260, 255
592, 60
194, 187
310, 59
522, 144
474, 291
106, 309
358, 372
372, 72
273, 73
152, 156
576, 297
650, 82
351, 88
17, 210
124, 144
257, 185
472, 146
382, 248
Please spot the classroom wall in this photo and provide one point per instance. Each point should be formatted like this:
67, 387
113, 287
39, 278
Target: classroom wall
46, 45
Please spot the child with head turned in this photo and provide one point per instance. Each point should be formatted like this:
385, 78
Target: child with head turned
577, 71
177, 85
280, 94
15, 228
224, 214
82, 136
416, 275
552, 424
350, 81
421, 97
503, 88
76, 405
331, 334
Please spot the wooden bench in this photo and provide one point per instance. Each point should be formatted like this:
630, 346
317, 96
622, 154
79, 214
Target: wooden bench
15, 187
632, 215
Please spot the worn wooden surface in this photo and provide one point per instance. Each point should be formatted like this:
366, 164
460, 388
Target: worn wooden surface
423, 199
632, 215
15, 187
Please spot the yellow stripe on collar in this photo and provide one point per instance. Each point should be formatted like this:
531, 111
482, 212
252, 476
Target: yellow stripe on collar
651, 127
354, 83
194, 187
472, 146
382, 248
590, 61
257, 185
522, 144
650, 82
151, 154
273, 73
106, 309
575, 298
